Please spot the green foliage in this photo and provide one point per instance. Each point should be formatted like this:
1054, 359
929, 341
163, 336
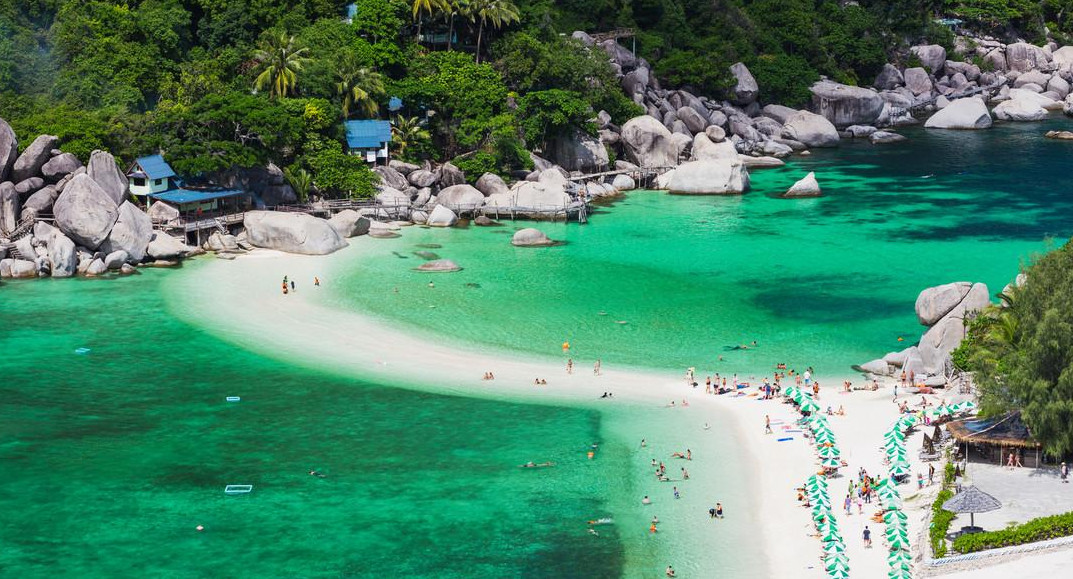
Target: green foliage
1040, 529
337, 174
477, 164
79, 131
279, 58
940, 522
300, 180
949, 473
410, 139
548, 114
783, 79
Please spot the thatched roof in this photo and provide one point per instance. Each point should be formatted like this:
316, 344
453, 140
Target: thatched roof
1006, 430
972, 500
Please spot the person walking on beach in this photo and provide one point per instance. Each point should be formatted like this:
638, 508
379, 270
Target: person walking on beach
570, 366
1064, 472
316, 281
292, 285
767, 424
596, 368
867, 535
849, 506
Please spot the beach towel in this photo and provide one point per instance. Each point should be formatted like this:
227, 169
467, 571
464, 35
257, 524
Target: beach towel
785, 439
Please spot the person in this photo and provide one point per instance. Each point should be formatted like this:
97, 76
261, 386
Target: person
841, 411
652, 528
849, 506
292, 286
1009, 461
711, 513
808, 378
596, 368
646, 501
655, 520
570, 366
643, 445
719, 510
284, 288
676, 495
903, 377
670, 571
1017, 459
867, 535
767, 424
685, 473
896, 390
316, 474
316, 281
566, 347
431, 284
689, 455
931, 474
1064, 472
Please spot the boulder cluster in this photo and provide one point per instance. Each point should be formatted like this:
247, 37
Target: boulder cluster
944, 310
94, 227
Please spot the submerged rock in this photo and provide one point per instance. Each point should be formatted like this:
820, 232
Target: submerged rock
439, 266
530, 237
806, 187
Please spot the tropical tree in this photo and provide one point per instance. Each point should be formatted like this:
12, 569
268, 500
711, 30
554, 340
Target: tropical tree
428, 6
300, 180
359, 86
407, 132
280, 59
496, 12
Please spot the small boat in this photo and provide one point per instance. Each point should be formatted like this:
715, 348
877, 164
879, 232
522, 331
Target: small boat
81, 350
237, 489
234, 398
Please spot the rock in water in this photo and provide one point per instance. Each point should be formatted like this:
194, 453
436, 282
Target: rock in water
9, 150
349, 223
33, 158
811, 129
85, 212
886, 137
1060, 135
439, 266
131, 233
718, 177
806, 187
483, 221
846, 105
623, 183
966, 113
1019, 110
292, 232
460, 198
706, 150
745, 88
9, 207
530, 237
441, 216
165, 247
116, 259
103, 169
648, 143
878, 367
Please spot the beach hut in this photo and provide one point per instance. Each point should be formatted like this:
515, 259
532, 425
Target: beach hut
368, 139
972, 500
152, 180
993, 439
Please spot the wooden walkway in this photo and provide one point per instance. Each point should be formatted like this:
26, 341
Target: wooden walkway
901, 111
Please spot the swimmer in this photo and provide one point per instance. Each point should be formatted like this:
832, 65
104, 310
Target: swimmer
430, 284
707, 426
593, 532
317, 474
646, 501
670, 571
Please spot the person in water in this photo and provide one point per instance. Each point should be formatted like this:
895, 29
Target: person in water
670, 571
646, 501
719, 510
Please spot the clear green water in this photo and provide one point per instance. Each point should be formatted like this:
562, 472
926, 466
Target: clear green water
827, 282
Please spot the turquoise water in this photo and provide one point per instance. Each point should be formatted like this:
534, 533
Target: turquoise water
827, 282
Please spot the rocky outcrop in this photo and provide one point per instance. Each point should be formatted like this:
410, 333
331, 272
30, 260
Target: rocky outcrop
579, 152
745, 88
705, 150
39, 202
451, 175
806, 187
935, 302
33, 158
62, 255
713, 177
423, 178
441, 216
932, 57
59, 166
530, 237
85, 212
491, 184
1019, 110
349, 223
1023, 57
439, 266
391, 177
846, 105
648, 143
460, 198
165, 247
918, 81
965, 114
9, 150
811, 129
102, 168
292, 233
885, 138
623, 183
130, 234
531, 194
889, 78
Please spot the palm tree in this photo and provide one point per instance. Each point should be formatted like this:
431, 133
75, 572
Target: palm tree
496, 12
300, 180
359, 86
407, 132
454, 8
281, 59
428, 6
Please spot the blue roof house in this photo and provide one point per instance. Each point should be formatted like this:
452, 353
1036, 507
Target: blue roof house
369, 139
150, 174
153, 179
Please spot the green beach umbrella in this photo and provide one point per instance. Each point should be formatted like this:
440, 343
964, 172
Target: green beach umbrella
898, 542
899, 574
896, 532
898, 558
830, 463
894, 516
839, 574
834, 547
899, 469
821, 514
826, 451
831, 534
790, 391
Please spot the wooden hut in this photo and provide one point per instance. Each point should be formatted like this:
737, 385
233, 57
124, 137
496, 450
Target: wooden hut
993, 439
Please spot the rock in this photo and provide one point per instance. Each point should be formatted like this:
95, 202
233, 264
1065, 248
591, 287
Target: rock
806, 187
579, 152
932, 56
165, 247
623, 183
1060, 135
619, 54
20, 268
161, 212
131, 233
484, 221
439, 266
846, 105
102, 168
349, 223
530, 194
62, 255
636, 81
393, 198
391, 177
423, 178
936, 302
710, 177
966, 113
1032, 77
776, 148
85, 212
742, 126
9, 207
115, 260
1044, 101
530, 237
127, 269
886, 138
779, 113
860, 131
583, 38
705, 150
441, 216
760, 162
33, 158
39, 202
96, 268
9, 150
889, 78
918, 81
896, 359
57, 167
811, 129
402, 167
1019, 110
715, 133
1023, 57
451, 175
648, 143
693, 121
745, 88
491, 184
941, 102
27, 186
292, 232
419, 217
460, 198
1059, 86
877, 367
378, 232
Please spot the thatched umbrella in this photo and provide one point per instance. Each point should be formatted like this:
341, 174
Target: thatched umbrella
972, 500
938, 435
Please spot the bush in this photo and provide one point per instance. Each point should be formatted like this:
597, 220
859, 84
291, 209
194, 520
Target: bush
940, 519
948, 474
1039, 529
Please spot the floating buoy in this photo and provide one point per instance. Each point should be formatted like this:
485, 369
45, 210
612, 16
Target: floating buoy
591, 454
200, 528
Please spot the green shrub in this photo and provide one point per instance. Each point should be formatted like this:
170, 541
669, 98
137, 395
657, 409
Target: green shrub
948, 474
940, 519
1039, 529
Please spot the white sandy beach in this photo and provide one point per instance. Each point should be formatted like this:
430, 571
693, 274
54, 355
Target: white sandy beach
248, 308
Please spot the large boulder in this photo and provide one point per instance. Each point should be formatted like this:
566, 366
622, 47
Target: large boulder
292, 233
451, 175
57, 167
160, 212
460, 198
648, 143
935, 302
1019, 110
1035, 77
392, 197
694, 121
779, 113
705, 150
349, 223
745, 88
391, 177
712, 177
1023, 57
966, 113
21, 268
441, 216
846, 105
623, 183
491, 184
947, 333
85, 212
117, 258
34, 157
62, 255
932, 57
423, 178
530, 237
28, 186
165, 247
619, 54
811, 129
439, 266
9, 207
878, 367
40, 202
889, 78
579, 152
806, 187
402, 166
131, 233
636, 81
103, 169
529, 194
918, 81
9, 150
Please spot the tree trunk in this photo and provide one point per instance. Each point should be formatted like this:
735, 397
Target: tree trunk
450, 30
480, 31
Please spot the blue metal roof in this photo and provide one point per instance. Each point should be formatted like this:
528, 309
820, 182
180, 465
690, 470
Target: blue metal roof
351, 11
181, 196
367, 134
394, 103
155, 167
